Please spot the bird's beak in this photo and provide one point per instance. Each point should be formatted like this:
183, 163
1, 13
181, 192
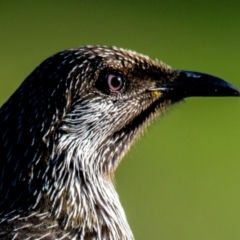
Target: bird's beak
190, 84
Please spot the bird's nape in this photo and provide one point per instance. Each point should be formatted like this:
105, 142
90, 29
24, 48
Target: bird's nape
67, 127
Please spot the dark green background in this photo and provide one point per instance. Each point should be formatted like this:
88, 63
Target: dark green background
182, 180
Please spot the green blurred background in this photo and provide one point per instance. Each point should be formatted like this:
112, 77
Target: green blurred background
182, 180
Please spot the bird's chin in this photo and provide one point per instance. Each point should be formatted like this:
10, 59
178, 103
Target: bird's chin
138, 124
152, 111
124, 138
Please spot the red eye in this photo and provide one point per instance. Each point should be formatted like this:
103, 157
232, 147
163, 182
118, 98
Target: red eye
111, 82
115, 82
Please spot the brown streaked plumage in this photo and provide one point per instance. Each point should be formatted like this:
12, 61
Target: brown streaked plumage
65, 130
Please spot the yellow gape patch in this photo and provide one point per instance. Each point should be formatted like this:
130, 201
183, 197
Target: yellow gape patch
156, 94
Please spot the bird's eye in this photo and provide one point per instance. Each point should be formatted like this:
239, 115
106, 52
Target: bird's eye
111, 82
115, 82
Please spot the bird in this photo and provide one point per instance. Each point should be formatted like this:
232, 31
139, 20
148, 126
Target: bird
67, 127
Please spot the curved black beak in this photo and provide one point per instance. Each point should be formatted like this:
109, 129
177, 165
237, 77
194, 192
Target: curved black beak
189, 84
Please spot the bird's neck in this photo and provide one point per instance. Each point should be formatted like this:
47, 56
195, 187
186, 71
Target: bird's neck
71, 181
83, 198
80, 187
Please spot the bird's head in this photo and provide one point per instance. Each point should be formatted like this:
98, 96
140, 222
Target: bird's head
112, 94
77, 114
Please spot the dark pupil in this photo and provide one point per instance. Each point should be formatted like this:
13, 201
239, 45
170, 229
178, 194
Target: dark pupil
116, 82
